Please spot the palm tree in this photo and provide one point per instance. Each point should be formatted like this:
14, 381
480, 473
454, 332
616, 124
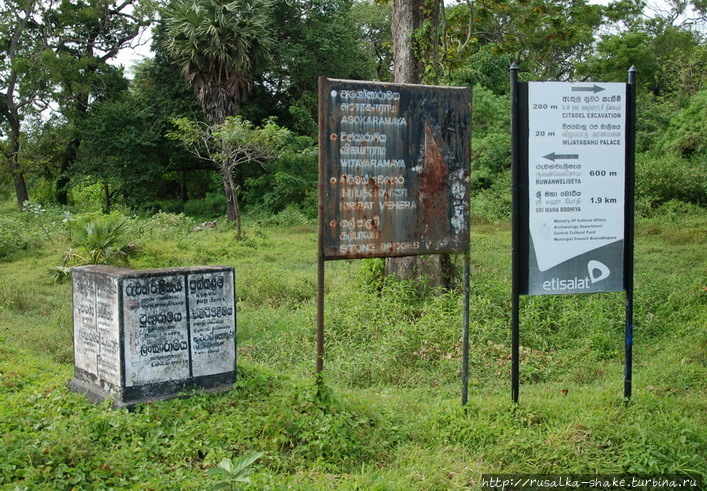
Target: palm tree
219, 45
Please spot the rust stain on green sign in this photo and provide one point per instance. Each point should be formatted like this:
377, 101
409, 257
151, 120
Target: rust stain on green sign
394, 169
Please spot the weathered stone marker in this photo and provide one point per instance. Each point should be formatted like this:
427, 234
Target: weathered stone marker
147, 335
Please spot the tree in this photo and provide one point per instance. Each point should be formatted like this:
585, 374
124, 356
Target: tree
229, 145
313, 38
545, 37
407, 63
161, 94
19, 79
59, 51
672, 61
43, 138
682, 14
374, 21
120, 149
219, 46
290, 180
685, 135
83, 36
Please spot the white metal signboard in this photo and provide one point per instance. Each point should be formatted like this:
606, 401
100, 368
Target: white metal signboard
576, 186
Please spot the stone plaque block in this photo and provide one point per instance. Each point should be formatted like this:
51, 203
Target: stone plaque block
147, 335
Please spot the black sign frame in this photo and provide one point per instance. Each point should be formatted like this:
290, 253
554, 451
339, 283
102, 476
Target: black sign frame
521, 240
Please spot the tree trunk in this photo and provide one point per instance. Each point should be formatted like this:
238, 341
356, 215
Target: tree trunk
67, 160
232, 210
106, 197
71, 152
183, 193
9, 107
436, 270
14, 165
230, 198
239, 231
20, 187
407, 16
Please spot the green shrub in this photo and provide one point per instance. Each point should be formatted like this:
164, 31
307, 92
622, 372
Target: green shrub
167, 206
35, 225
168, 225
654, 114
493, 205
685, 135
100, 241
372, 274
232, 472
491, 140
485, 68
289, 216
15, 237
212, 206
491, 158
661, 178
291, 180
86, 197
674, 212
44, 191
103, 241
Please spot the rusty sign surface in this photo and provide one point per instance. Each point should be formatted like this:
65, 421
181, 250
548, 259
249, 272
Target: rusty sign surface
394, 169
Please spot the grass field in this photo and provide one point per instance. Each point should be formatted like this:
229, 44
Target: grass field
389, 413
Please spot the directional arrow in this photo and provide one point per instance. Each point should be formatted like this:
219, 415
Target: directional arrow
594, 89
554, 156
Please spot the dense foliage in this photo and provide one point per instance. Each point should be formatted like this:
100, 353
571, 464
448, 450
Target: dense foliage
100, 130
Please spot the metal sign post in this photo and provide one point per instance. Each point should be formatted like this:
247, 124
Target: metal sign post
629, 232
394, 176
517, 211
573, 174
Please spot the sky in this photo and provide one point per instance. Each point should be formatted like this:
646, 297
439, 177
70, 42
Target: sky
128, 57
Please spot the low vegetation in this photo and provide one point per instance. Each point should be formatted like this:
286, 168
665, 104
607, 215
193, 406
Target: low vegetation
388, 415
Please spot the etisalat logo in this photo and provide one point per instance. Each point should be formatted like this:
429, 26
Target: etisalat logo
597, 272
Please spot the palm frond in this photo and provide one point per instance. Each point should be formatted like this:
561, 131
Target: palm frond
219, 45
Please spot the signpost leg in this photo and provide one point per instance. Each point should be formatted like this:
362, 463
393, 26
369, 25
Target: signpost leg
515, 352
320, 228
628, 370
320, 317
465, 331
629, 224
516, 237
